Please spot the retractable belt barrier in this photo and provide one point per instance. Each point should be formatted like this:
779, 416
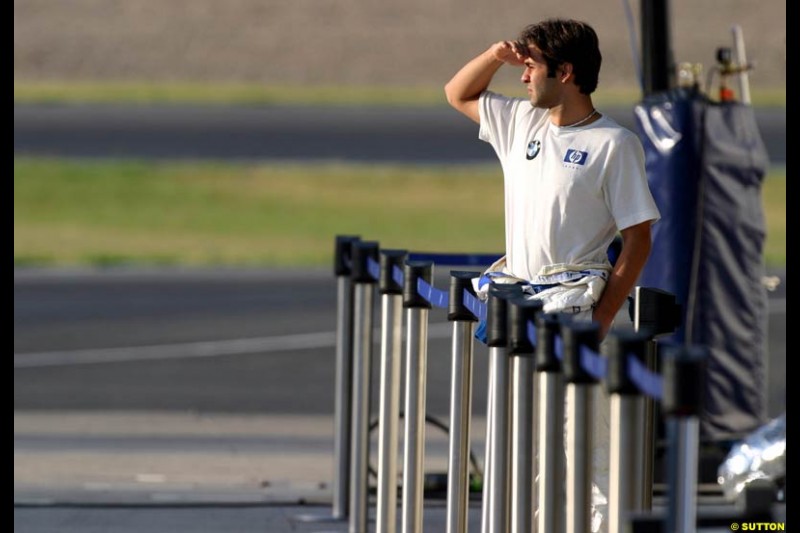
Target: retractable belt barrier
538, 362
391, 288
364, 255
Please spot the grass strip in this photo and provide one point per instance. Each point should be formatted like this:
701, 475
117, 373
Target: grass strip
101, 212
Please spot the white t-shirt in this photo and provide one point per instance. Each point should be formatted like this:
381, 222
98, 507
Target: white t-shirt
568, 190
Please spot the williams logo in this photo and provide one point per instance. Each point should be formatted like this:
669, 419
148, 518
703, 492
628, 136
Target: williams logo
533, 149
576, 157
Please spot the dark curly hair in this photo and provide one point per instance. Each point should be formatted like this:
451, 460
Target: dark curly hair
566, 41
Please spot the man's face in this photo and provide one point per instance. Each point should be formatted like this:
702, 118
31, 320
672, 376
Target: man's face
542, 91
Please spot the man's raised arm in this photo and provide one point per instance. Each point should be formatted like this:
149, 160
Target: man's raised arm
467, 85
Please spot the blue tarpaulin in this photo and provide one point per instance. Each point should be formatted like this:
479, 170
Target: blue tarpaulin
705, 165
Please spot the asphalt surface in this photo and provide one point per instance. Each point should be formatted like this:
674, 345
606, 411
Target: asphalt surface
202, 400
195, 400
256, 342
368, 134
234, 341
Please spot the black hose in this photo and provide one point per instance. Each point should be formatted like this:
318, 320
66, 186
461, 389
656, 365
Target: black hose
476, 470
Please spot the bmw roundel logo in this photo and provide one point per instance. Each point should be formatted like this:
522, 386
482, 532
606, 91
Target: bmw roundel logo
533, 149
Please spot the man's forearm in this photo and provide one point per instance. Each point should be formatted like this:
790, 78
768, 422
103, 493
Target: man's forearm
473, 78
635, 251
620, 283
467, 85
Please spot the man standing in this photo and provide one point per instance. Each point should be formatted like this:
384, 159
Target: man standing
573, 177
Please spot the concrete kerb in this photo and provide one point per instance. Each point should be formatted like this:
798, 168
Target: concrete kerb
142, 458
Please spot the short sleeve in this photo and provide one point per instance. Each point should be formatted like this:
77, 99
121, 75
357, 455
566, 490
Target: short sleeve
497, 115
626, 189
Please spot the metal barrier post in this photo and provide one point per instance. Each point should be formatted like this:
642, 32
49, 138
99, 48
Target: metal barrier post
579, 384
416, 362
487, 453
648, 439
656, 312
342, 388
684, 384
627, 416
496, 481
364, 295
389, 402
460, 401
550, 433
344, 369
523, 498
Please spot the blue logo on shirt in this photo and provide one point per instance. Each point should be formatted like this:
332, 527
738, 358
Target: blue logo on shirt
576, 157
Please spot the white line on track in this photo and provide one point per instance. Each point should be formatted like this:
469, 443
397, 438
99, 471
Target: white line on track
279, 343
191, 350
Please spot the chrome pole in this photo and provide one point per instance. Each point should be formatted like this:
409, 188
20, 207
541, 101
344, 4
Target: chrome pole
497, 477
497, 508
342, 268
523, 469
389, 400
460, 402
416, 363
460, 407
579, 337
343, 394
364, 295
684, 376
626, 447
550, 433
